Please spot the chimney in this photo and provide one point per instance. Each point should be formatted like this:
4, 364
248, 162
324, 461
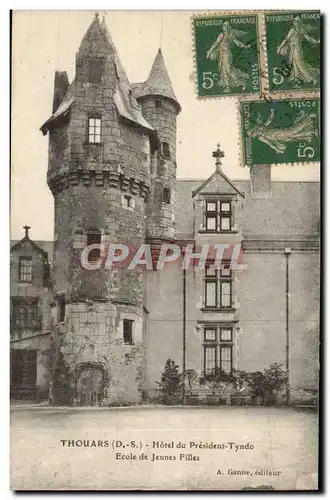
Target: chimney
261, 182
61, 85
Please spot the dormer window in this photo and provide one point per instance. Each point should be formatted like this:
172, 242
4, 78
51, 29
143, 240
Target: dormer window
218, 215
25, 269
94, 130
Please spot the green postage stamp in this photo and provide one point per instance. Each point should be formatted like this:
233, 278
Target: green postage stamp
227, 55
293, 50
280, 131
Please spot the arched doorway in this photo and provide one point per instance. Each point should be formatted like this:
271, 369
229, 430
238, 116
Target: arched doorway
89, 384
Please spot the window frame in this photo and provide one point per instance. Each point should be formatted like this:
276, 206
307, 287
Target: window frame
29, 311
95, 254
131, 323
21, 266
166, 153
166, 195
128, 202
219, 279
212, 347
218, 344
93, 126
218, 214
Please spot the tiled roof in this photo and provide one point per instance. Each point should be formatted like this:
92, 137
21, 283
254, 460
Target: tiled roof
158, 82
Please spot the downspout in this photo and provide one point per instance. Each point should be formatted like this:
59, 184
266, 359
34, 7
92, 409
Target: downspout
184, 302
287, 252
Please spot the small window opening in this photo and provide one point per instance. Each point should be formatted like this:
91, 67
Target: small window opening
94, 238
61, 308
166, 150
167, 195
128, 331
94, 130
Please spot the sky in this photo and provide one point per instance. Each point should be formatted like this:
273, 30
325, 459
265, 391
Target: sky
45, 41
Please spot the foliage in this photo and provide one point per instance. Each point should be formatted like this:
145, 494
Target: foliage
170, 384
257, 383
191, 377
275, 377
240, 379
268, 382
217, 376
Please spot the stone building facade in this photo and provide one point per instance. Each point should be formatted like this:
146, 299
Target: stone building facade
112, 172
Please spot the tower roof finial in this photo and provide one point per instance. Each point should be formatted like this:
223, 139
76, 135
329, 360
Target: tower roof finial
26, 228
218, 154
96, 15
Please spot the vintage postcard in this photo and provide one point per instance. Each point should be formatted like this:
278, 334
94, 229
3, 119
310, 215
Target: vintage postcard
165, 251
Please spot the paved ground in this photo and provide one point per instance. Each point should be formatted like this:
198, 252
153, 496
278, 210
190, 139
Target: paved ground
108, 448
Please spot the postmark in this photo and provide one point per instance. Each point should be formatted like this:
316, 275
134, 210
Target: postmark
280, 131
293, 50
227, 55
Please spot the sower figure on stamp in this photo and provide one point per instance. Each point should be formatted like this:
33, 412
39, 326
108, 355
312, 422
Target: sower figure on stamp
303, 129
230, 76
292, 47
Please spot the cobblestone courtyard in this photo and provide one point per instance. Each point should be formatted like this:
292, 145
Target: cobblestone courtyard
210, 448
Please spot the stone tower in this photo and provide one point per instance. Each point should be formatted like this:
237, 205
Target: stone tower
160, 107
108, 154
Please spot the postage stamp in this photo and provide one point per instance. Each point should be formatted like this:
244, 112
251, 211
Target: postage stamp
293, 50
227, 55
280, 131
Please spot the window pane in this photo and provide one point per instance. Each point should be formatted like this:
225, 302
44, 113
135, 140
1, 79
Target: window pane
225, 223
225, 207
225, 294
211, 206
225, 334
25, 269
225, 271
210, 334
211, 289
97, 122
91, 122
210, 359
225, 358
210, 271
211, 223
97, 138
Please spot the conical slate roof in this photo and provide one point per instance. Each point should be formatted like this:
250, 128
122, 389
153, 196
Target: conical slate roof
158, 82
120, 68
95, 40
